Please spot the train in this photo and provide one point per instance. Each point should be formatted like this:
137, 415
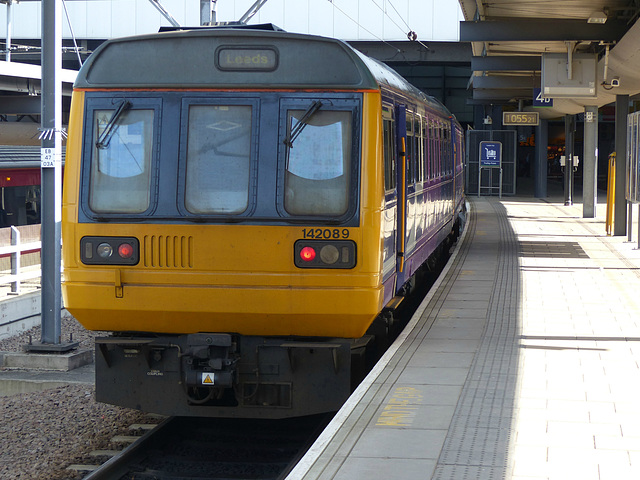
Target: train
243, 211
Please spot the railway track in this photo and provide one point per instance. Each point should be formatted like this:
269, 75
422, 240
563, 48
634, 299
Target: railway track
189, 448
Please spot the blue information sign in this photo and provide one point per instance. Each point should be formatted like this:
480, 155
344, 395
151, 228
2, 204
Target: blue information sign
538, 101
490, 154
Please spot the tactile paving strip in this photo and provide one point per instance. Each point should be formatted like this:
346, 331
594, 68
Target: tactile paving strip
552, 249
477, 443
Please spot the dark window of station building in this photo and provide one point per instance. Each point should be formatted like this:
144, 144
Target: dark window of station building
19, 205
20, 179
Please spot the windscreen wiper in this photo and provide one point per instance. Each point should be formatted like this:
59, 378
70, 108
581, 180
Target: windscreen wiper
298, 127
109, 130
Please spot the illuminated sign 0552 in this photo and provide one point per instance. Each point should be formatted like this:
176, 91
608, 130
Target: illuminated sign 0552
520, 118
258, 59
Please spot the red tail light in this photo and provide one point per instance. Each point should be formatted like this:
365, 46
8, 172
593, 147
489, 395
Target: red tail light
125, 250
307, 254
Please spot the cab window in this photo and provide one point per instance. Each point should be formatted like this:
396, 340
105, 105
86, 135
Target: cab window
218, 159
318, 162
120, 175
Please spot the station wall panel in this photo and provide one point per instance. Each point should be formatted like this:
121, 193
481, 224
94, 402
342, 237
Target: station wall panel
432, 20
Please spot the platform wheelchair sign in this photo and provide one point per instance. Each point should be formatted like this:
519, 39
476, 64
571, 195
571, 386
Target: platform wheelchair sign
490, 157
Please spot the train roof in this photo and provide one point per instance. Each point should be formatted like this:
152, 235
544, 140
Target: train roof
226, 57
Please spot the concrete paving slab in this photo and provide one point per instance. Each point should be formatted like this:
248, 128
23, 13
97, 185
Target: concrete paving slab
26, 381
400, 443
46, 361
381, 469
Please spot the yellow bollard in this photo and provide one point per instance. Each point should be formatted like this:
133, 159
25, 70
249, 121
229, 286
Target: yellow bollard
611, 192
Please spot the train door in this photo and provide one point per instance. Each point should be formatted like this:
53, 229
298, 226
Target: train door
395, 211
412, 157
389, 221
453, 154
401, 181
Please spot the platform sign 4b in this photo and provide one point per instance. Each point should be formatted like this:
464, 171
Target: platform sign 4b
539, 100
490, 154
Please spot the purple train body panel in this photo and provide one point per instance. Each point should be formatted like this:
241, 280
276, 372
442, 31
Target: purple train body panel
428, 191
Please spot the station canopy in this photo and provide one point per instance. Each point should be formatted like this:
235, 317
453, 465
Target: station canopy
581, 52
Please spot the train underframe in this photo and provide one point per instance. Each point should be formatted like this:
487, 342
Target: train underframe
224, 375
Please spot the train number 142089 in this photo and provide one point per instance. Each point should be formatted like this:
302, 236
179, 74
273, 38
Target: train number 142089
325, 233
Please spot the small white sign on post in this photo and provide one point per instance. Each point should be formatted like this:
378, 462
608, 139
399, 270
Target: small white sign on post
49, 158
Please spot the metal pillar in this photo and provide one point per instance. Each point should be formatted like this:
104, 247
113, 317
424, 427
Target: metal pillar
51, 198
208, 12
590, 163
540, 169
496, 115
620, 202
569, 132
9, 30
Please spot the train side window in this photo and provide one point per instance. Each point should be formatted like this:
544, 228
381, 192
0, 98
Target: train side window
447, 136
120, 177
451, 149
418, 149
445, 151
319, 161
437, 149
432, 149
410, 150
425, 149
389, 148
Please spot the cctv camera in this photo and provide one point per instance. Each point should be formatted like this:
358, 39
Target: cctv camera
615, 82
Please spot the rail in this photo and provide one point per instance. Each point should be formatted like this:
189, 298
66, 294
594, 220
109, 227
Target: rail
12, 248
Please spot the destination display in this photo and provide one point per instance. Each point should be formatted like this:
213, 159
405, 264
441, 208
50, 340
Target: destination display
255, 59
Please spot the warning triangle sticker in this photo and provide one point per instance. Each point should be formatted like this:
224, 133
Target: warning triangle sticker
207, 379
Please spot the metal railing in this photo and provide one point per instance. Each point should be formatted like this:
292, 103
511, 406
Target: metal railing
14, 251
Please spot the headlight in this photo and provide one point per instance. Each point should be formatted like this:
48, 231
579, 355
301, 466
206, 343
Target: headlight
109, 250
104, 250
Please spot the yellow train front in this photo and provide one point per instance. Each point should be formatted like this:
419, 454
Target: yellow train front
234, 215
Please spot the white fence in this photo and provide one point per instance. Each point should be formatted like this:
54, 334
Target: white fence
19, 255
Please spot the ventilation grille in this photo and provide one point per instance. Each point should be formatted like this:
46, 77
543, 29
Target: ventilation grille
167, 251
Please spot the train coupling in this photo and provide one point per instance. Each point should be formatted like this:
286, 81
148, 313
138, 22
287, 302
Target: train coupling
208, 360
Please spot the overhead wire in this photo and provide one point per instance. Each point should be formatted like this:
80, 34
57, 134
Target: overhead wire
411, 34
384, 11
361, 26
75, 43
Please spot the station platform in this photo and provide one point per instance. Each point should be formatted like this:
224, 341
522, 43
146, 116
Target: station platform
521, 363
